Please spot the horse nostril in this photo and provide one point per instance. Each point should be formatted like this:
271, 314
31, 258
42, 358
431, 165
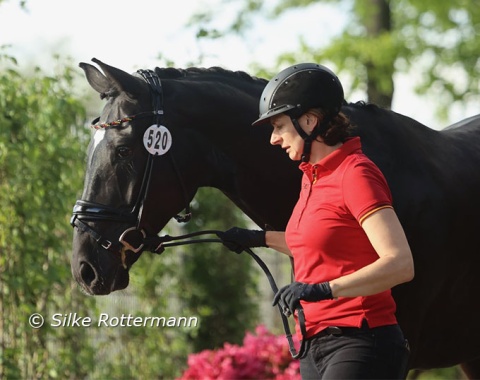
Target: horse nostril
87, 273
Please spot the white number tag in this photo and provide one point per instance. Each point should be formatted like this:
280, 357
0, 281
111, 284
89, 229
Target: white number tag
157, 140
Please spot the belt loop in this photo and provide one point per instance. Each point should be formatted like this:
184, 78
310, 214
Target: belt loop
365, 325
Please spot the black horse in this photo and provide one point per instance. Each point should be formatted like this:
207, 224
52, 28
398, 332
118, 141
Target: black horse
208, 141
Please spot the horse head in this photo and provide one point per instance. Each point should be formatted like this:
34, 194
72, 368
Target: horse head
116, 220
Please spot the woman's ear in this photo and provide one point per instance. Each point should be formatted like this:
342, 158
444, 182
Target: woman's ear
312, 121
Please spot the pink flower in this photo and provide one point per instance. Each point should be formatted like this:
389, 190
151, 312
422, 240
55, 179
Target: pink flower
262, 356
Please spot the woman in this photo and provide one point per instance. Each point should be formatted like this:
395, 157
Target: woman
348, 246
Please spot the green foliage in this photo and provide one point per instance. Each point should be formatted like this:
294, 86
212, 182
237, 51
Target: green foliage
438, 39
41, 163
437, 374
441, 39
383, 37
144, 352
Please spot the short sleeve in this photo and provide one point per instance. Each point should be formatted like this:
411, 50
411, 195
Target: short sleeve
365, 189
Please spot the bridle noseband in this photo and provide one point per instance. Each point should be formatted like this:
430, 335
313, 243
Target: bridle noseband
134, 238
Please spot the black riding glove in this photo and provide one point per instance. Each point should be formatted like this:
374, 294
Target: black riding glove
237, 239
296, 291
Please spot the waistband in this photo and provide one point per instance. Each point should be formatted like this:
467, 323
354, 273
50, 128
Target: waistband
340, 330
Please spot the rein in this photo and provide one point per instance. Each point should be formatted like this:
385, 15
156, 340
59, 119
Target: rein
169, 241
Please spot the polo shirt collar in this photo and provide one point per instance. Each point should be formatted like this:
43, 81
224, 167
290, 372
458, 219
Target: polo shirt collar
334, 159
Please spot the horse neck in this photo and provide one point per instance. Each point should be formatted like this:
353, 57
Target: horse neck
259, 178
243, 165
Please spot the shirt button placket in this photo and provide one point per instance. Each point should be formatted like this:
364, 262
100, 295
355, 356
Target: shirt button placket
307, 189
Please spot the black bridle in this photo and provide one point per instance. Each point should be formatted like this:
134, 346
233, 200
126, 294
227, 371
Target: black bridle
137, 240
134, 238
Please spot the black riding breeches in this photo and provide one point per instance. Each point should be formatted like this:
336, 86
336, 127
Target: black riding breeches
363, 353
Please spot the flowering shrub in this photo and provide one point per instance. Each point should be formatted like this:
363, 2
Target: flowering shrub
262, 356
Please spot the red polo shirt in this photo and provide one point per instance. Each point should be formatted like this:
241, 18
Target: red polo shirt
327, 241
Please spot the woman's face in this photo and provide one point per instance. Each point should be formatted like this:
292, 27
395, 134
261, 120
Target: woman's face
285, 135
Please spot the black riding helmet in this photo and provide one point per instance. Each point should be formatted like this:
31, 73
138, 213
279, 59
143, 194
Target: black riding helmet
297, 89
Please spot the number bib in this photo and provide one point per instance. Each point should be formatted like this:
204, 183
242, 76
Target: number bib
157, 140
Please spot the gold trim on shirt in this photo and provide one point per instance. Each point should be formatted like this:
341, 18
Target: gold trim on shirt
366, 215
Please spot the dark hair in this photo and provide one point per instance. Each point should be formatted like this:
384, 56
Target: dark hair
339, 129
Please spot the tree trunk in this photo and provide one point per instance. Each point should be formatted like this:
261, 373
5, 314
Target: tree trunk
377, 20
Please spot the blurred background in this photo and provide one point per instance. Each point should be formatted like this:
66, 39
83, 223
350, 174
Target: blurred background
417, 57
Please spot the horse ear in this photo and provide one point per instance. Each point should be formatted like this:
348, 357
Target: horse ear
120, 80
96, 79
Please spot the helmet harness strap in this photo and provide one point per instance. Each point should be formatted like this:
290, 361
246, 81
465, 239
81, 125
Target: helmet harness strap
318, 130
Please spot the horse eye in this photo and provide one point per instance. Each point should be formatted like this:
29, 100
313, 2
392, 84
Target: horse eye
124, 151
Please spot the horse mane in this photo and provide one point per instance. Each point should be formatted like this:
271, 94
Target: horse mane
192, 72
372, 107
222, 74
219, 72
361, 104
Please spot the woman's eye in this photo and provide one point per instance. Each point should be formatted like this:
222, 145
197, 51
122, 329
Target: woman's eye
124, 152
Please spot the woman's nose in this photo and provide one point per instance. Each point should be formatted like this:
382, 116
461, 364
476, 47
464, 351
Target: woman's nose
274, 139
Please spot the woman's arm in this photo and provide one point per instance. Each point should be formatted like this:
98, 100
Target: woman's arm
276, 241
394, 265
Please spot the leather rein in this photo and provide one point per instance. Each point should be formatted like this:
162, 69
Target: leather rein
282, 307
137, 240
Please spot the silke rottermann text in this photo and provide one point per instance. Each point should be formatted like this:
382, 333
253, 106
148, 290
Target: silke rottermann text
124, 320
